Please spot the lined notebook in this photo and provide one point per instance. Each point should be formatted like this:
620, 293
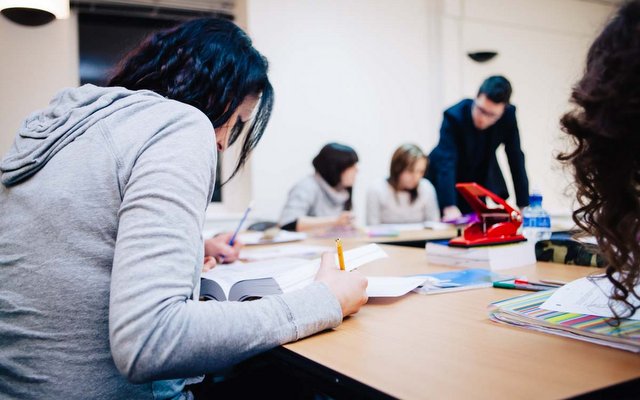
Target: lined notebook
526, 312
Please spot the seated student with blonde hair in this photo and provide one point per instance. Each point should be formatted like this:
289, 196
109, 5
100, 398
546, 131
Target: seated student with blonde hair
323, 200
404, 197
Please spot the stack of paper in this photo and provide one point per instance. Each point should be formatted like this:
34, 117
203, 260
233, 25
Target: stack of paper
589, 295
491, 257
529, 312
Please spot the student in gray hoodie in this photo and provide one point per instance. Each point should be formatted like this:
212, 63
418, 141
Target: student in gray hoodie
102, 205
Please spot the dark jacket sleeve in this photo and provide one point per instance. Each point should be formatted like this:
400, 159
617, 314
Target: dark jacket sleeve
516, 163
444, 160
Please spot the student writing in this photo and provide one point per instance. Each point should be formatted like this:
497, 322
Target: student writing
103, 201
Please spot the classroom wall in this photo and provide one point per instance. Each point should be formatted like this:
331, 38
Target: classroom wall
357, 72
36, 63
376, 73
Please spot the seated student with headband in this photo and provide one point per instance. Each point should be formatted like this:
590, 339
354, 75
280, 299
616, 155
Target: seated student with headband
103, 200
404, 197
605, 159
323, 201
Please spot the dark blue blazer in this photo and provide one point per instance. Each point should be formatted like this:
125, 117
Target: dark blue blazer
465, 154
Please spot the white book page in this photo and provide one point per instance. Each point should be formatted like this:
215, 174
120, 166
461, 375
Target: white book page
290, 273
237, 271
292, 250
585, 296
392, 286
359, 256
353, 259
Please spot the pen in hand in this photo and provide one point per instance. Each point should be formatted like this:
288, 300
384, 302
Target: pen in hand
244, 217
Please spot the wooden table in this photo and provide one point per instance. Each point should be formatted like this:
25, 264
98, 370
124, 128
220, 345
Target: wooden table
444, 346
410, 238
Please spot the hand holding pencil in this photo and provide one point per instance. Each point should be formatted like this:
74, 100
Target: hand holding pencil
350, 289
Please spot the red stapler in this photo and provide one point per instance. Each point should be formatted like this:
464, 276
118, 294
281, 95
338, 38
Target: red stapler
495, 226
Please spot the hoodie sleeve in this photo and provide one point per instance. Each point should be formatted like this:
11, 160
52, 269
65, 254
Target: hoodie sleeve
157, 331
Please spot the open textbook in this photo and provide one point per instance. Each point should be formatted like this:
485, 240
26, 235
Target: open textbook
247, 281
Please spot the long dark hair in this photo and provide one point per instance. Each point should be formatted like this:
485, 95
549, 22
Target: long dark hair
208, 63
331, 162
605, 128
404, 158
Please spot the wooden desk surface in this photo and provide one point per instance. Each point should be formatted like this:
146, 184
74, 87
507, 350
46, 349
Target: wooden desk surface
418, 235
444, 346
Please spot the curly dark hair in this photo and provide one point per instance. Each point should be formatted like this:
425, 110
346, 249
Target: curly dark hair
605, 128
208, 63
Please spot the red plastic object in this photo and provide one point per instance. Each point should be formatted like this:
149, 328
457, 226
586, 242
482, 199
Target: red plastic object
496, 225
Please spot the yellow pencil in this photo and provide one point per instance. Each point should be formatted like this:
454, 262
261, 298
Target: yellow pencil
340, 254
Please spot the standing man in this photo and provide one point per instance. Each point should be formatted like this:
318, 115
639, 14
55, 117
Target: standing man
471, 132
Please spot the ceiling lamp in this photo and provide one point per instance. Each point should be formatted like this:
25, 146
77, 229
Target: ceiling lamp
482, 56
34, 12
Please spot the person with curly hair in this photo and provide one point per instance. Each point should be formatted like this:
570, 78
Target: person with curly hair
605, 156
102, 205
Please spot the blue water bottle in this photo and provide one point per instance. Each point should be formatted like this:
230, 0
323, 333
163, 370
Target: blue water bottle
536, 222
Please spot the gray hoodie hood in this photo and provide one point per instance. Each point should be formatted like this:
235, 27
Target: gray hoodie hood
44, 133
